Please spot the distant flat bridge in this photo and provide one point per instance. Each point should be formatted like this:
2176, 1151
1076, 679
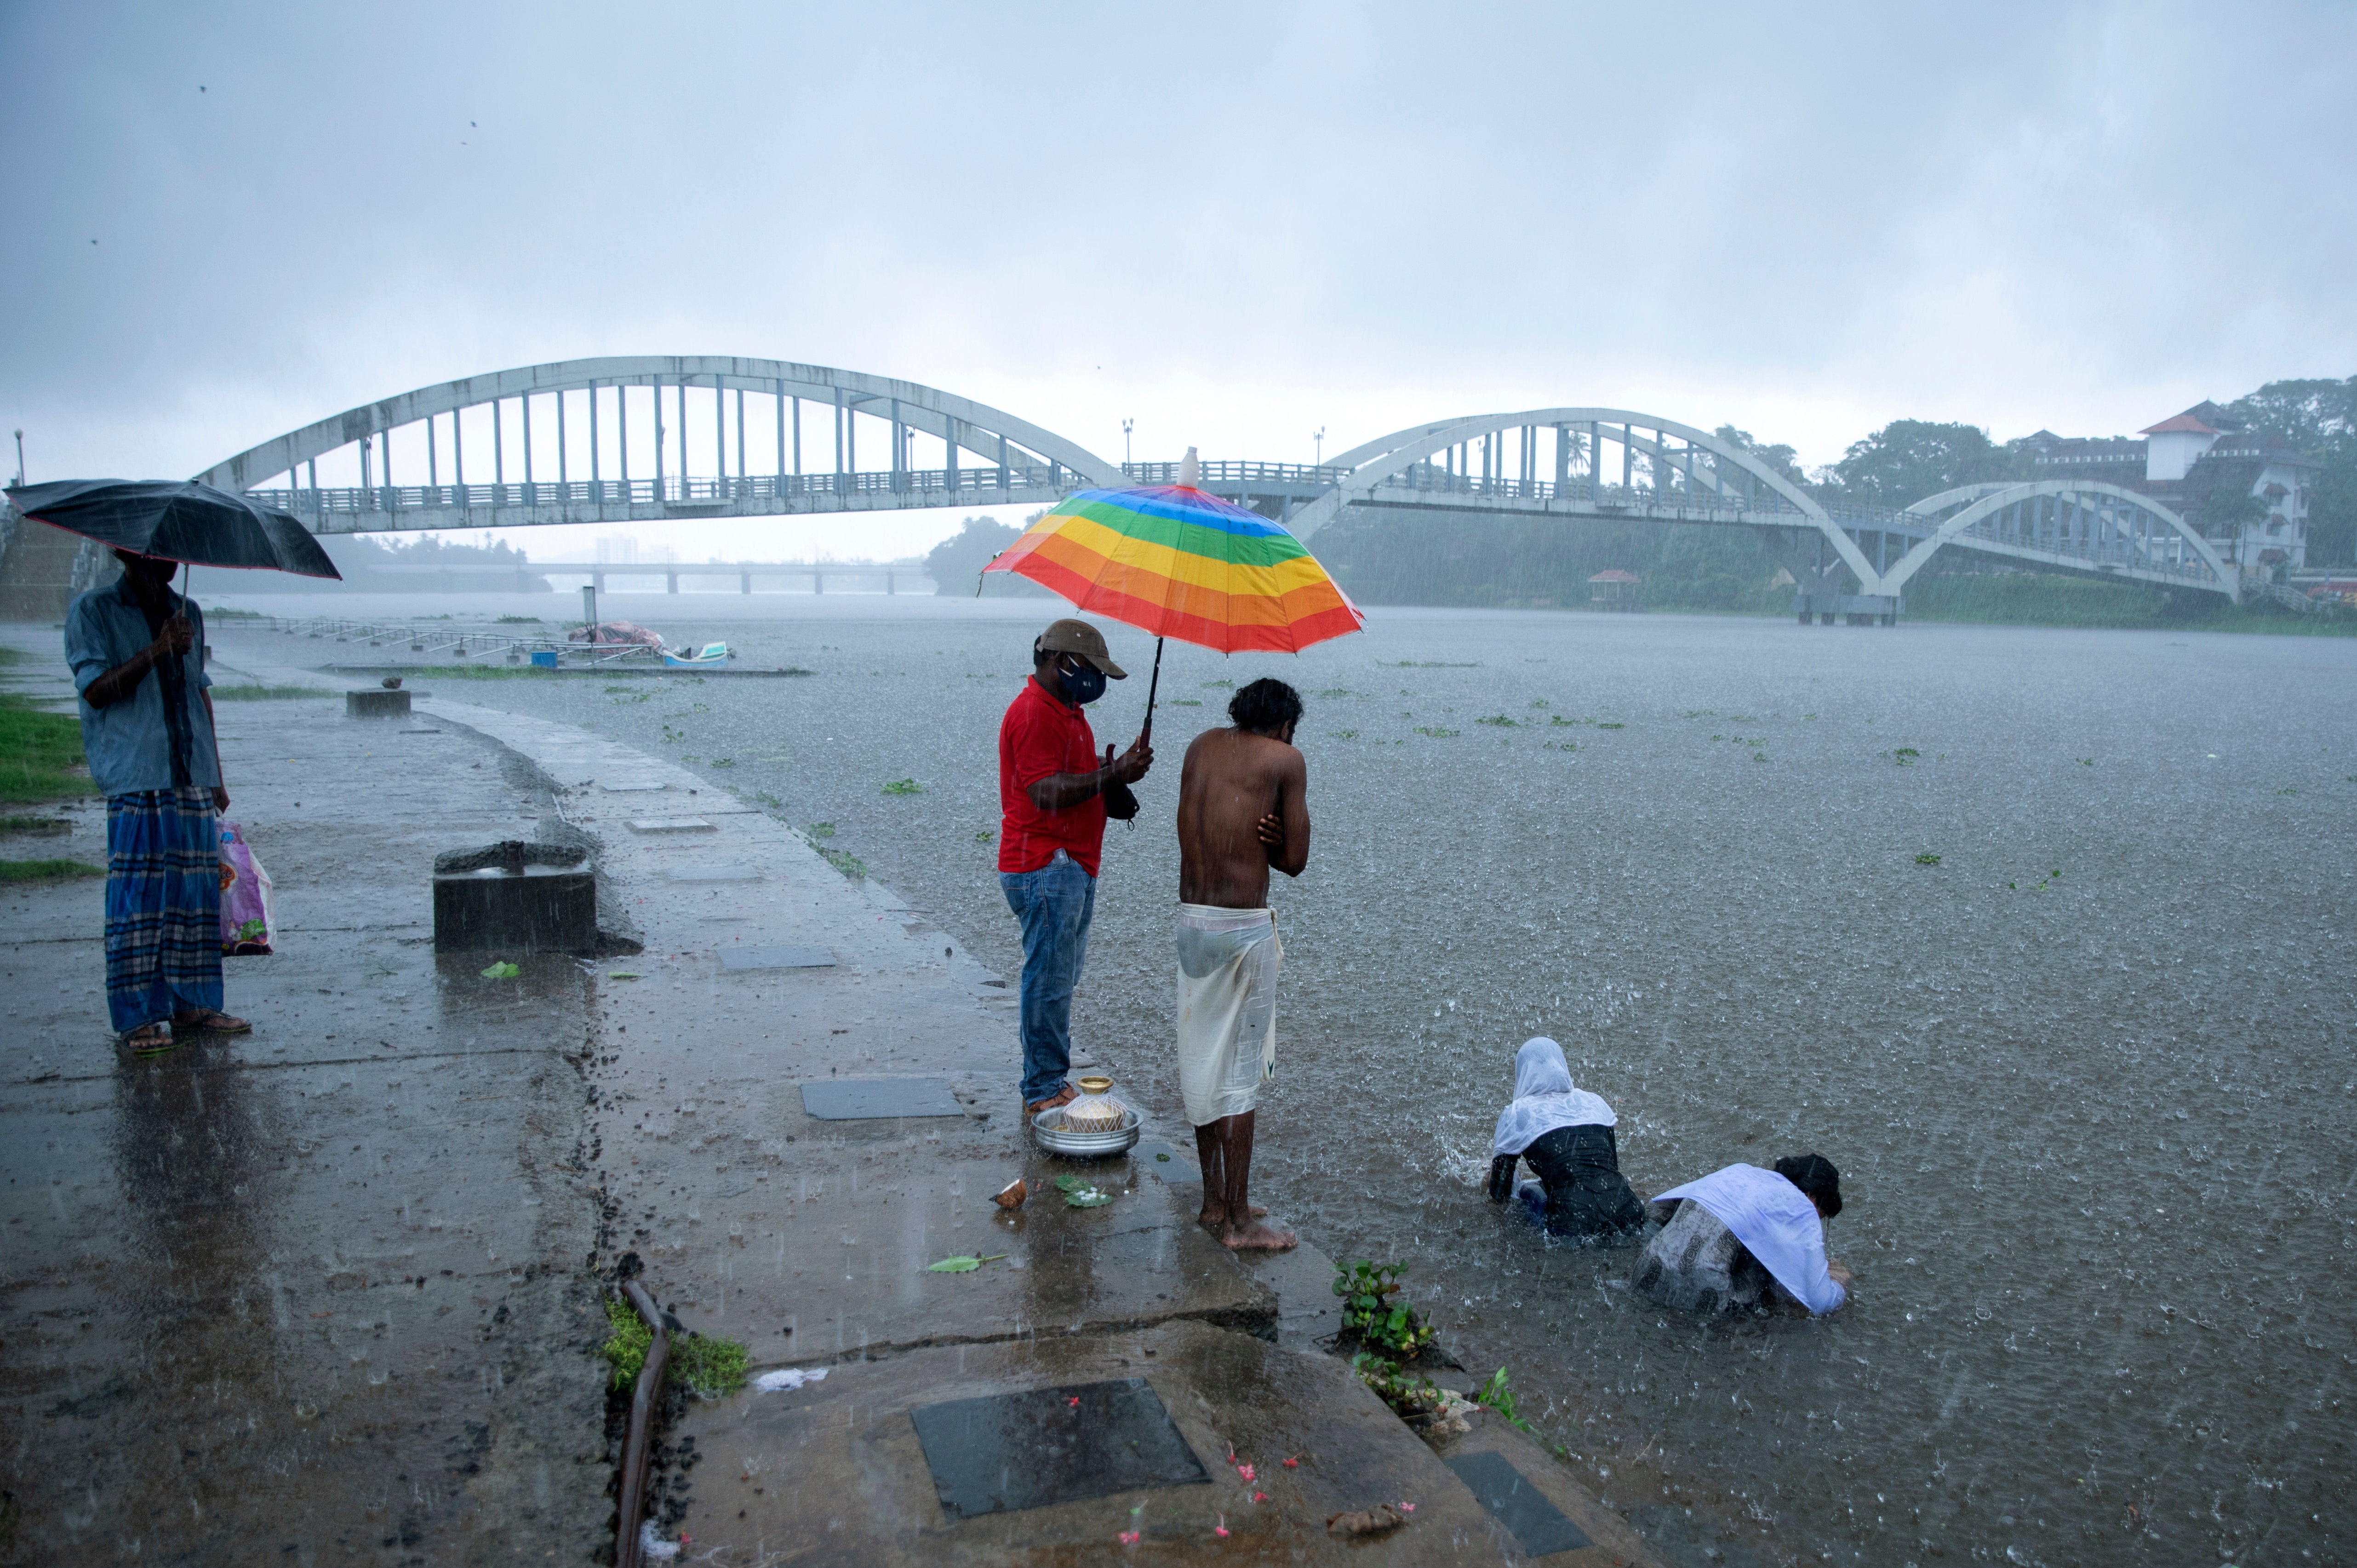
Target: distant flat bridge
890, 576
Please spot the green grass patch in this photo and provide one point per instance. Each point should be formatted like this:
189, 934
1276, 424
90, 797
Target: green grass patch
517, 620
482, 673
904, 787
47, 870
40, 754
705, 1365
35, 825
2053, 598
258, 694
842, 860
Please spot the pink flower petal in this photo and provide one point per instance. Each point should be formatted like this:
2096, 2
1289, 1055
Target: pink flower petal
1245, 1471
1127, 1538
1260, 1496
1407, 1508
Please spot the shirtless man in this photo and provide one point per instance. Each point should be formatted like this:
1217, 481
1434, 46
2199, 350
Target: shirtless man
1243, 807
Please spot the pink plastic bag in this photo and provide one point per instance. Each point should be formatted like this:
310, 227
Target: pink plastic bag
247, 927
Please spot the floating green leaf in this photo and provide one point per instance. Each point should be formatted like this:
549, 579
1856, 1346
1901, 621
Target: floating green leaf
904, 787
965, 1264
502, 971
1905, 755
1927, 860
621, 974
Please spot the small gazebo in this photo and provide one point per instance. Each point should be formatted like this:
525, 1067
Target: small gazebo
1614, 590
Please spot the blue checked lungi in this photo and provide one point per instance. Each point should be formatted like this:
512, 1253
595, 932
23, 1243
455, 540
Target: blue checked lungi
163, 905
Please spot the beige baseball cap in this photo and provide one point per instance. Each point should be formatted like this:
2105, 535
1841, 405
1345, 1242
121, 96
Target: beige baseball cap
1079, 637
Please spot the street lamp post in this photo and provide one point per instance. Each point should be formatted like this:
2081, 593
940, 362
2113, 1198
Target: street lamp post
1126, 426
1320, 439
20, 458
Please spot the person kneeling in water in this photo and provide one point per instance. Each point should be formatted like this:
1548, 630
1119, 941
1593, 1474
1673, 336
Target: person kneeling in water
1566, 1135
1742, 1238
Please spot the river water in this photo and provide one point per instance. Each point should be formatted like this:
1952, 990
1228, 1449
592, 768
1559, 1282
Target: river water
2088, 1077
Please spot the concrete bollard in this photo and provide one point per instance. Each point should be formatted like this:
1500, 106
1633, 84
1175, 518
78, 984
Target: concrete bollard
515, 897
379, 704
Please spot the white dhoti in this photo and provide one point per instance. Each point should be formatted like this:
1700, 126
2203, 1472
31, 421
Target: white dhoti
1227, 1008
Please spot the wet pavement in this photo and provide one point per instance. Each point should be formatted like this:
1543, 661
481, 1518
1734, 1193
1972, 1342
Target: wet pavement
350, 1267
316, 1293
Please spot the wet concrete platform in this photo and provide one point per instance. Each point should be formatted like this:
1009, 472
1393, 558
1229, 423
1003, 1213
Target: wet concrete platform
314, 1295
357, 1257
837, 1470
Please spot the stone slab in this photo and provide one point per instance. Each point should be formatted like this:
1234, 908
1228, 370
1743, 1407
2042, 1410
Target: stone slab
785, 955
1036, 1447
630, 786
860, 1099
837, 1469
712, 874
671, 825
1541, 1527
376, 704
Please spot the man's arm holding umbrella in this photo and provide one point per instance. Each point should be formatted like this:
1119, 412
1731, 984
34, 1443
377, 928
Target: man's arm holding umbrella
174, 640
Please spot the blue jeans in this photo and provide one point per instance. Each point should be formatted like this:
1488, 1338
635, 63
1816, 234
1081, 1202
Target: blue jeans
1054, 903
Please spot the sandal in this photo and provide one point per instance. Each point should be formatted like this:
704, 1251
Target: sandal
149, 1041
1063, 1096
212, 1020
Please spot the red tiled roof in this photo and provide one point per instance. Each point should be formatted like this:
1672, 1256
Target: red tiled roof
2175, 422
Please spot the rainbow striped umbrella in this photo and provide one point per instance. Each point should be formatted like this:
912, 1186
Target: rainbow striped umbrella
1176, 562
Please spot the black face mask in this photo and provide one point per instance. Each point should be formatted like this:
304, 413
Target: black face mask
1082, 683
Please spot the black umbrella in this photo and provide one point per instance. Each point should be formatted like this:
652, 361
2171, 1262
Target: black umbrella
178, 520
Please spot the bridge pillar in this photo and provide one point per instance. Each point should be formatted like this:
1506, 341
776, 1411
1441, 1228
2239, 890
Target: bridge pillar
597, 581
888, 589
671, 582
818, 582
744, 582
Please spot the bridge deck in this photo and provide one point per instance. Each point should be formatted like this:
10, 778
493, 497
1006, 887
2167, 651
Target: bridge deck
1278, 487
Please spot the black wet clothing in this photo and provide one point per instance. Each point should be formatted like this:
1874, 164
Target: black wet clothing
1580, 1168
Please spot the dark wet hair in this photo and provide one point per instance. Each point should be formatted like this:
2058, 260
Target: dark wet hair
1266, 705
1814, 1174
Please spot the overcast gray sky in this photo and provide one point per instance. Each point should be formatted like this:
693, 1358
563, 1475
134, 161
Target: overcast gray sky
1234, 223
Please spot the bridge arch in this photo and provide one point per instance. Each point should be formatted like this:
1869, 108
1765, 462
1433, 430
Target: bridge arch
1005, 459
1387, 457
2088, 526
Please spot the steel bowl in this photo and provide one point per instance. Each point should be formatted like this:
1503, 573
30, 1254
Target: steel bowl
1048, 1130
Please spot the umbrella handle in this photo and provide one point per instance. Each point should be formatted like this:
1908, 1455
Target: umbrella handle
1152, 687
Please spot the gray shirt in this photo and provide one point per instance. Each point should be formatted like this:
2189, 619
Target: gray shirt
158, 737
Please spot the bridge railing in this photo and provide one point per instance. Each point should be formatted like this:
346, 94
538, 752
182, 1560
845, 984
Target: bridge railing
1223, 474
672, 490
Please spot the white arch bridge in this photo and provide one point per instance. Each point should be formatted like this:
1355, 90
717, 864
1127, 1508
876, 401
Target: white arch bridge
659, 438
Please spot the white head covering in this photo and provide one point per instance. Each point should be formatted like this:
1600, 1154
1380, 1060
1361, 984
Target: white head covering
1776, 1221
1545, 1099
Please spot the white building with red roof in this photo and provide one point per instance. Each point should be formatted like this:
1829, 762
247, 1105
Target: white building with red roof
2245, 490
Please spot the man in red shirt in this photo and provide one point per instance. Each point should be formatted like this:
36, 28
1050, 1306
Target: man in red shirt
1054, 794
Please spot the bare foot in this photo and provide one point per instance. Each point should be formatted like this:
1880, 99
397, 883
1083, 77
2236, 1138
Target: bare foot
1213, 1216
1258, 1238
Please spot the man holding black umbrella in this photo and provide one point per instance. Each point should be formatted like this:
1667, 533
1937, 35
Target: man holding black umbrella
147, 729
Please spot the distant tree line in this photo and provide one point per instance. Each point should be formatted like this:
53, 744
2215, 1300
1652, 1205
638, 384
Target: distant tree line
358, 556
955, 564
